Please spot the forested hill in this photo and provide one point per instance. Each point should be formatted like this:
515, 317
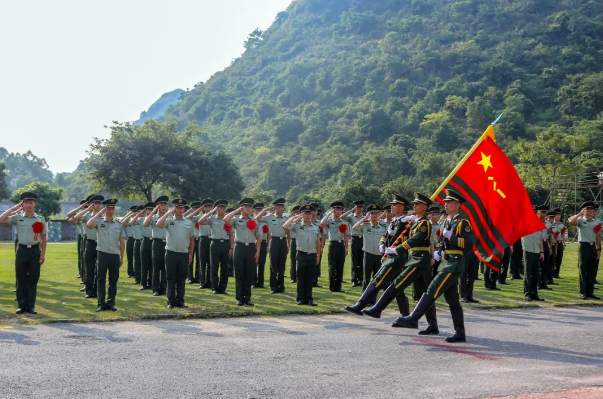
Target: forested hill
390, 93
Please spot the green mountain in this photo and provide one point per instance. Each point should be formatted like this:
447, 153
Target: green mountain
158, 108
347, 94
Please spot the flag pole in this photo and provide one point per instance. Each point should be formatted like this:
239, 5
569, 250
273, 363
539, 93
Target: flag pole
489, 132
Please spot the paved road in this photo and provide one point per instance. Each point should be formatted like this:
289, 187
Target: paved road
510, 352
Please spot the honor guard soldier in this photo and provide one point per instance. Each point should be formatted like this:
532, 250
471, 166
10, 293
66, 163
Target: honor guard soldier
158, 277
263, 230
352, 217
277, 246
533, 246
292, 245
90, 253
308, 252
457, 240
146, 249
372, 230
416, 269
179, 248
246, 252
589, 239
220, 248
434, 214
391, 266
110, 248
31, 249
560, 235
130, 240
337, 235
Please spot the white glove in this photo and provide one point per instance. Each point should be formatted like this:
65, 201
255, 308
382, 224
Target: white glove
390, 251
381, 249
447, 234
437, 256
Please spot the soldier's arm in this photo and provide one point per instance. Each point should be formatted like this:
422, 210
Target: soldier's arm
289, 222
91, 223
422, 234
78, 216
204, 219
75, 210
228, 217
122, 247
161, 221
358, 225
325, 219
43, 247
462, 236
4, 217
573, 220
149, 217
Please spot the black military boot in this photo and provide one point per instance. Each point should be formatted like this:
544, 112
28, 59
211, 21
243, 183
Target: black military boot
388, 295
430, 330
412, 321
363, 300
457, 337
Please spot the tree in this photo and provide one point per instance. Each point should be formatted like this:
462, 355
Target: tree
49, 197
137, 159
24, 168
3, 186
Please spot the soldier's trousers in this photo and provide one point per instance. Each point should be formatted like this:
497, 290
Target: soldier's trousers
204, 261
293, 254
446, 283
218, 255
504, 269
27, 268
278, 258
159, 277
79, 255
517, 265
130, 255
136, 260
244, 265
587, 261
558, 259
336, 261
371, 264
418, 272
107, 263
306, 264
90, 259
317, 271
531, 274
81, 258
490, 278
468, 276
146, 262
260, 268
193, 266
391, 267
357, 260
546, 269
176, 267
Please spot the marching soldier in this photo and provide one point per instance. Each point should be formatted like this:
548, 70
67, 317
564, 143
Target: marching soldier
179, 248
146, 248
352, 217
457, 241
560, 235
416, 252
372, 230
90, 253
110, 247
31, 249
434, 214
533, 246
158, 277
246, 252
277, 246
292, 245
308, 252
220, 248
262, 231
468, 277
337, 234
589, 238
391, 266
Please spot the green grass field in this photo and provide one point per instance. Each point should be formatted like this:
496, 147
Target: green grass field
59, 298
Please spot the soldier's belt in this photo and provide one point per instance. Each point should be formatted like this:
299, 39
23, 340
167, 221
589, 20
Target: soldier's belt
245, 244
453, 252
337, 241
220, 239
278, 237
419, 249
29, 245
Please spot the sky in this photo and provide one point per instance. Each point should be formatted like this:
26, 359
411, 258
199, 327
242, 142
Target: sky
70, 67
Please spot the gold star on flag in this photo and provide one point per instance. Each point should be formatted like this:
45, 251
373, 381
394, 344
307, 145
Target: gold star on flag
485, 162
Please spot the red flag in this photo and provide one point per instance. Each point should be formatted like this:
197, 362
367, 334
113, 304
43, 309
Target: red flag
496, 201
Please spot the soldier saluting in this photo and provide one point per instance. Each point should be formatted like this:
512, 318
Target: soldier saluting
31, 249
589, 237
110, 246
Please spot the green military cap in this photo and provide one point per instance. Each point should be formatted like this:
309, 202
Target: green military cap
140, 208
179, 202
258, 205
89, 198
196, 204
134, 208
588, 205
421, 199
453, 195
359, 202
373, 208
551, 213
110, 202
221, 202
337, 204
28, 195
398, 199
557, 211
82, 202
207, 201
296, 208
150, 205
315, 205
306, 208
434, 209
162, 198
246, 201
96, 198
279, 201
